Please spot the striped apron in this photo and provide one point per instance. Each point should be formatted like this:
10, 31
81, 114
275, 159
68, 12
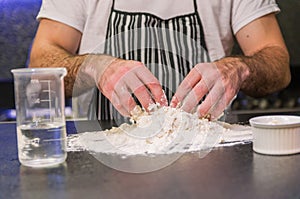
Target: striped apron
168, 48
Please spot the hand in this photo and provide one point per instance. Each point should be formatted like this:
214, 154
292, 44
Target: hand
219, 81
118, 79
33, 91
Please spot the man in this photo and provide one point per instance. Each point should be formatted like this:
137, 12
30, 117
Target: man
134, 50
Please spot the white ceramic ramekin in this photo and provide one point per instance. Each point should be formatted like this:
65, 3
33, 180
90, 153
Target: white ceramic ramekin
276, 134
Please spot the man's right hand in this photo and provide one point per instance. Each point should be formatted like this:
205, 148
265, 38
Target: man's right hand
120, 79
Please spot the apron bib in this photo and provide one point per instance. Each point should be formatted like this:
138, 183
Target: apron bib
169, 48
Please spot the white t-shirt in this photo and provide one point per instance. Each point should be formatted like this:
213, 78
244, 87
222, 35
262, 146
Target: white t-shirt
221, 19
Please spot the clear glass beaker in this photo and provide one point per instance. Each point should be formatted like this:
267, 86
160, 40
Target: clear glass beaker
40, 111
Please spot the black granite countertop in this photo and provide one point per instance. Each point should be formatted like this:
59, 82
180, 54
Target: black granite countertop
227, 172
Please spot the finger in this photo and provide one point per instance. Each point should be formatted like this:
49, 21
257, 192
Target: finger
115, 100
214, 95
174, 102
157, 93
185, 87
222, 104
217, 110
125, 98
143, 95
153, 85
139, 89
193, 97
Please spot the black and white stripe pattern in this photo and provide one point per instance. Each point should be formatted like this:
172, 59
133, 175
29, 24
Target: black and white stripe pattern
169, 48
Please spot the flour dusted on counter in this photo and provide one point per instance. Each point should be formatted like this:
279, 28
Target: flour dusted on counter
166, 130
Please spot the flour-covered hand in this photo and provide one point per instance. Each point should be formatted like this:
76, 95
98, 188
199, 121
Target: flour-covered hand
120, 79
214, 84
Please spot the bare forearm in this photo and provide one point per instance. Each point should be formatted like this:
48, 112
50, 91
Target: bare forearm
269, 71
262, 73
84, 71
54, 56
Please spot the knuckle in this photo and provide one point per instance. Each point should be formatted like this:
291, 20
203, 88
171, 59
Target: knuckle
140, 90
118, 106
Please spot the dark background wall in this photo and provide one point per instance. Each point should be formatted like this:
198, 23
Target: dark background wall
17, 28
289, 21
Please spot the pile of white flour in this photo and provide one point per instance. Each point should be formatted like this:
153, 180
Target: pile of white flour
166, 130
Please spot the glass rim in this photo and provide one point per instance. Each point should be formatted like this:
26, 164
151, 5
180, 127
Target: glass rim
39, 70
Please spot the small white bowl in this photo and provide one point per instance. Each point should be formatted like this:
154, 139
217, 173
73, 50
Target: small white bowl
276, 134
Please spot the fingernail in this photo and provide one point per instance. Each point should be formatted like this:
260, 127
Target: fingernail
173, 102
